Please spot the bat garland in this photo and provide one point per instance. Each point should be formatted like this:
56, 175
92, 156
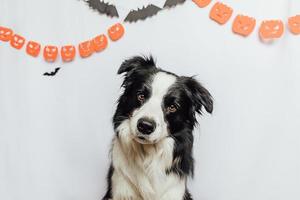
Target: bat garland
103, 8
135, 14
143, 13
172, 3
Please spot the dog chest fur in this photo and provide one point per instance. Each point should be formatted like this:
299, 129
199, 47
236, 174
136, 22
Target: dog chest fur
140, 170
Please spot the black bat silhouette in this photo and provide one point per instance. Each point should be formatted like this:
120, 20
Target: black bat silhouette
171, 3
143, 13
103, 8
52, 73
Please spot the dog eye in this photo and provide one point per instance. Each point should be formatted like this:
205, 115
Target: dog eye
141, 97
172, 108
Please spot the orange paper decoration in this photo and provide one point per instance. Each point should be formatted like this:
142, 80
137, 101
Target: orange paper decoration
294, 24
271, 29
68, 53
220, 13
202, 3
50, 53
5, 34
100, 43
243, 25
33, 48
85, 49
116, 31
17, 41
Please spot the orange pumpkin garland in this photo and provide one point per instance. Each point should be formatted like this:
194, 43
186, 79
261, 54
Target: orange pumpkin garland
100, 43
202, 3
17, 41
271, 29
116, 31
50, 53
33, 48
220, 13
85, 49
68, 53
243, 25
294, 24
5, 34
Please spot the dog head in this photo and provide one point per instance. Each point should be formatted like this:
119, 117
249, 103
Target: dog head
156, 104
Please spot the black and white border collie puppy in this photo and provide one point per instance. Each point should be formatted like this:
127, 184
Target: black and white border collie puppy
154, 121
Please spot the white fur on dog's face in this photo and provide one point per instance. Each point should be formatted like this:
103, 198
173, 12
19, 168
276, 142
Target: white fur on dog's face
152, 109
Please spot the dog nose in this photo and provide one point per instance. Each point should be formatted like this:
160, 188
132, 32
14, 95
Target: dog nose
146, 126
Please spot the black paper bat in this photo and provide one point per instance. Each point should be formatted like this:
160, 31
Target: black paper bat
143, 13
52, 73
171, 3
103, 8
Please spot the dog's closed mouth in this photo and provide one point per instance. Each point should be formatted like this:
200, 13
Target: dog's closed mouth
141, 138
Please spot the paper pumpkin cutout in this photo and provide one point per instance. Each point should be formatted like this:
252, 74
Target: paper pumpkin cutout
5, 34
202, 3
172, 3
50, 53
294, 24
143, 13
271, 29
17, 41
100, 43
103, 8
85, 49
220, 13
243, 25
116, 31
33, 48
68, 53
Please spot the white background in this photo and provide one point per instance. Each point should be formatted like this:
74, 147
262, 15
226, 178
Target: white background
55, 132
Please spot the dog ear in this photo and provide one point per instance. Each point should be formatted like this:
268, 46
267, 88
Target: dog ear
136, 62
200, 96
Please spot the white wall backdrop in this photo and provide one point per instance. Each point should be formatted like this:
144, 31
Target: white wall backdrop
55, 132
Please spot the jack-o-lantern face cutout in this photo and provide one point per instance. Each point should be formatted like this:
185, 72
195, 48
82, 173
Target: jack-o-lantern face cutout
271, 29
99, 43
33, 48
116, 31
17, 41
294, 24
50, 53
5, 34
68, 53
220, 13
243, 25
202, 3
85, 49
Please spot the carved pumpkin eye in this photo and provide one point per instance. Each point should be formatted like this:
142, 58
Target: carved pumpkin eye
141, 97
86, 49
243, 25
294, 24
172, 108
202, 3
50, 53
220, 13
116, 31
5, 34
100, 43
68, 53
17, 41
33, 48
271, 29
